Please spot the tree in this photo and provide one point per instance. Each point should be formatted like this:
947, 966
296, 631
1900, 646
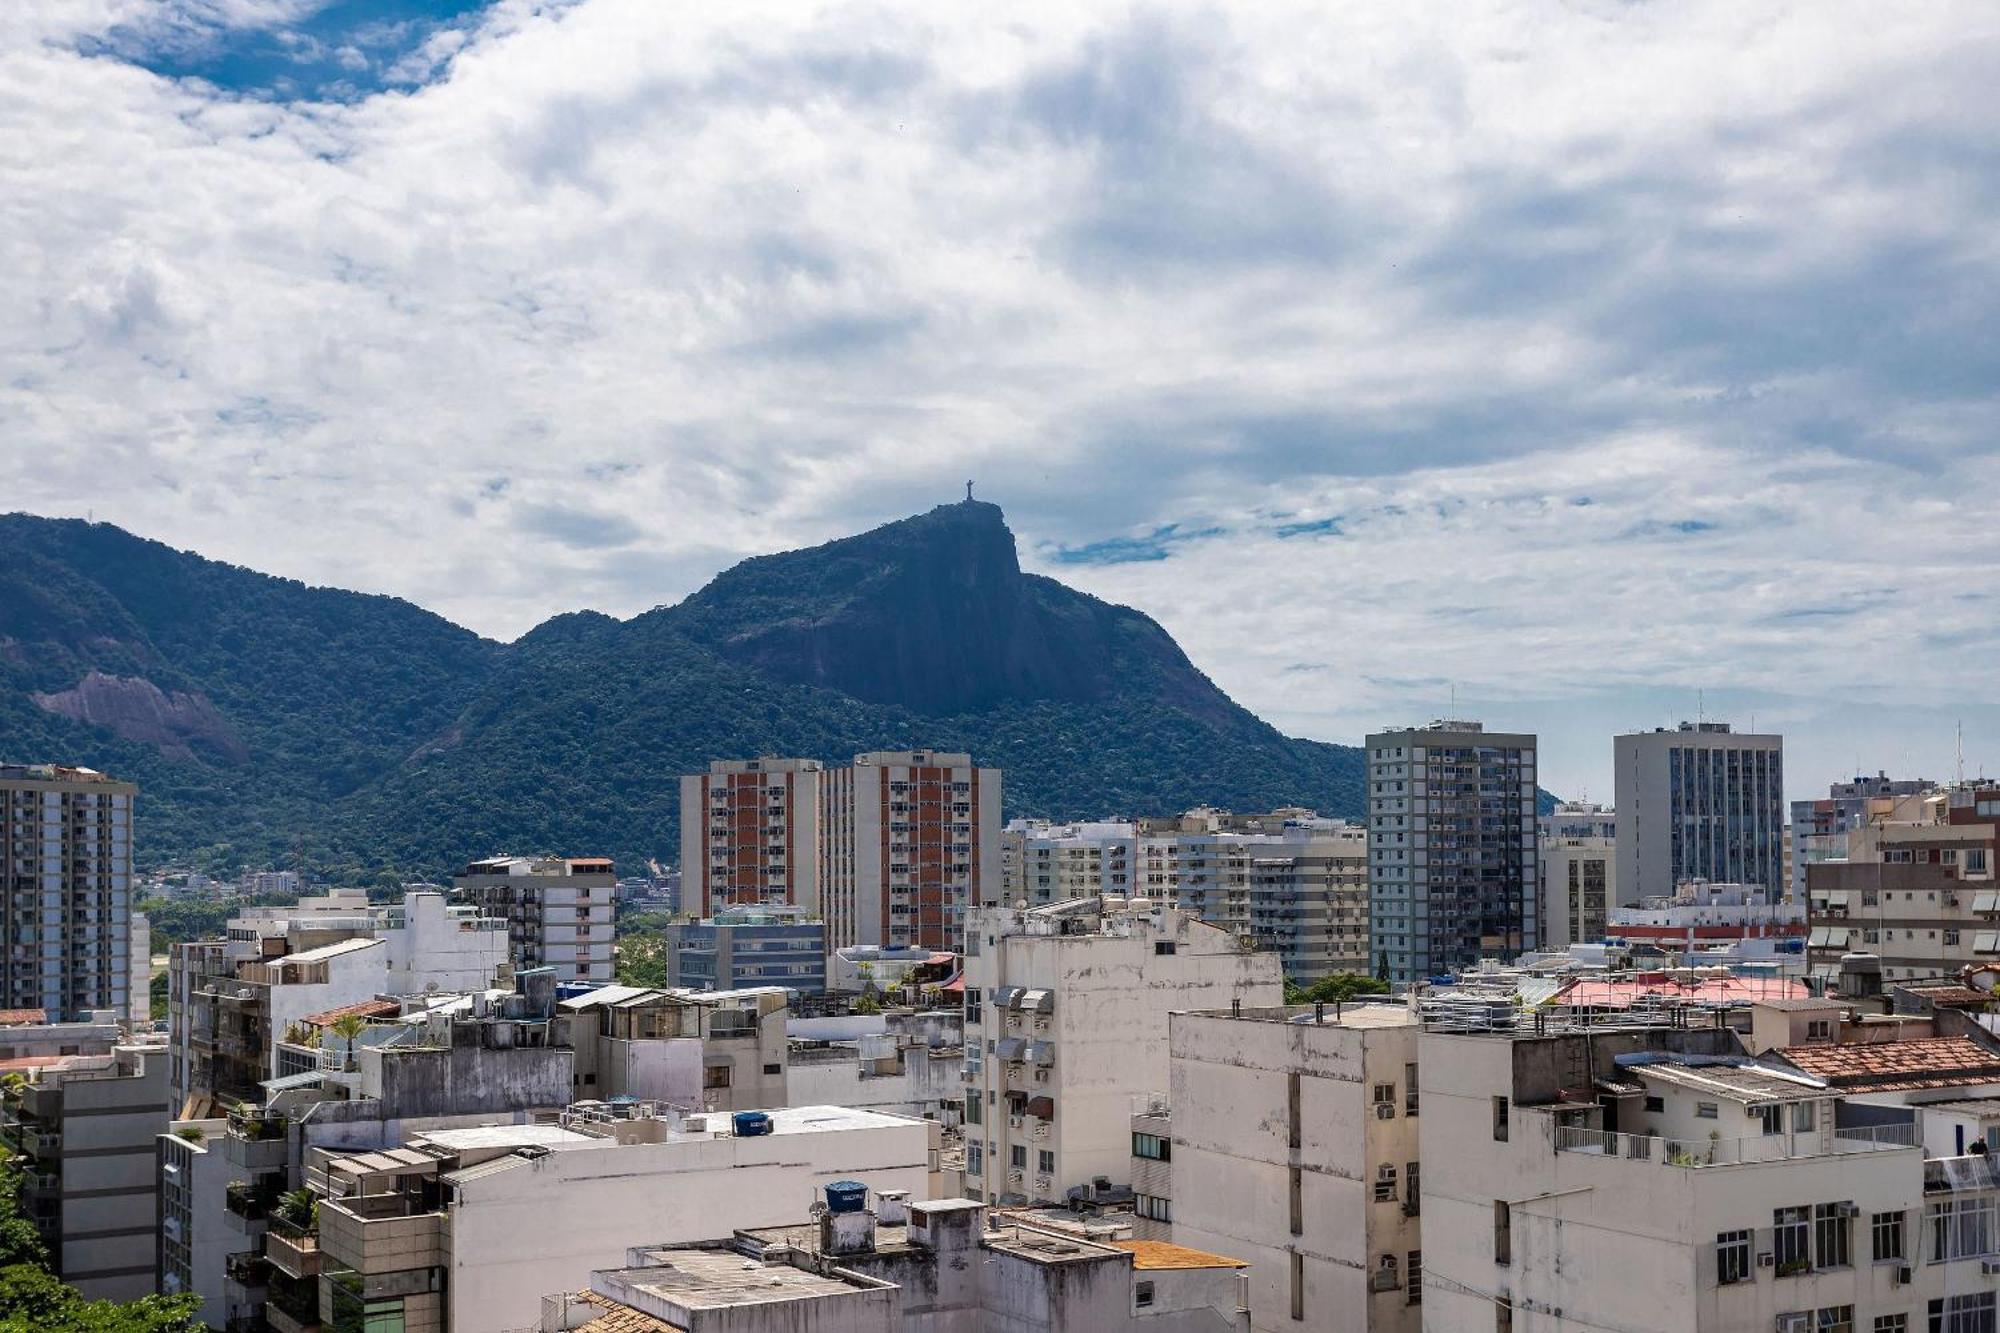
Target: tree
1339, 988
34, 1300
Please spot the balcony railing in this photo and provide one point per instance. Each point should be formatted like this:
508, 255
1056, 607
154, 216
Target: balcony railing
1729, 1152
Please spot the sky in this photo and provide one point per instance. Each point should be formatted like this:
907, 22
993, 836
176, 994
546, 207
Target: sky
1580, 367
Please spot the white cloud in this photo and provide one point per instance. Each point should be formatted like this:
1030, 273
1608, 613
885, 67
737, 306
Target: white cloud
628, 290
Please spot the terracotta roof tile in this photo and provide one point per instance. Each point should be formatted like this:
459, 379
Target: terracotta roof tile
1898, 1066
366, 1008
17, 1017
622, 1318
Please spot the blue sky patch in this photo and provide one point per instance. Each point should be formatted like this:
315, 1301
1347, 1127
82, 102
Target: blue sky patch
334, 51
1155, 545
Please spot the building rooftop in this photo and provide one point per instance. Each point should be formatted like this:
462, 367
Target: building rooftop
620, 1318
553, 1137
1898, 1066
1808, 1005
326, 951
1149, 1255
1380, 1013
718, 1279
1622, 992
365, 1008
1741, 1083
21, 1017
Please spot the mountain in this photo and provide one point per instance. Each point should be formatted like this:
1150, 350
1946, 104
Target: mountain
265, 718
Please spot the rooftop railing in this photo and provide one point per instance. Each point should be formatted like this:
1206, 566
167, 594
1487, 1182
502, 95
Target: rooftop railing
1729, 1152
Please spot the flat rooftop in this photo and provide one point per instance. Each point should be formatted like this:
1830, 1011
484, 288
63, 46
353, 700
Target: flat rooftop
1153, 1255
1742, 1083
553, 1137
716, 1279
1349, 1014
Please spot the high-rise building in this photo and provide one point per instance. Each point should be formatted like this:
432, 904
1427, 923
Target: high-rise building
1453, 864
558, 910
908, 839
1579, 874
750, 835
66, 864
1699, 802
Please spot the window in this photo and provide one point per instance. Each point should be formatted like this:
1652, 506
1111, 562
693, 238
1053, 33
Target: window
1385, 1183
1017, 1157
1163, 947
1960, 1229
1835, 1319
1656, 1104
975, 1112
1732, 1257
1887, 1230
1892, 1323
1142, 1294
1771, 1119
774, 1069
1412, 1194
715, 1076
1802, 1116
1832, 1230
1045, 1162
1503, 1314
1296, 1191
1789, 1238
1706, 1111
1385, 1094
1146, 1205
975, 1163
1416, 1279
1503, 1232
1951, 937
1819, 1029
1499, 1119
1964, 1314
1153, 1147
1409, 1089
1298, 1285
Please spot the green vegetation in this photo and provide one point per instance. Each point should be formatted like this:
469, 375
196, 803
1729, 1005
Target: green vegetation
1336, 989
178, 920
34, 1300
367, 740
156, 995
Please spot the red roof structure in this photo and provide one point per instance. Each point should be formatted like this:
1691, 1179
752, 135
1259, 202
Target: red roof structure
1897, 1066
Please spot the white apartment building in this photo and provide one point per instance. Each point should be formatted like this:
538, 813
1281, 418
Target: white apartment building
1042, 862
1295, 1147
195, 1231
558, 910
466, 1230
1699, 802
1453, 848
750, 835
1659, 1179
1066, 1021
1579, 867
66, 872
908, 839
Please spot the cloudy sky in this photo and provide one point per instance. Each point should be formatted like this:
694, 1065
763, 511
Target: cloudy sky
1587, 363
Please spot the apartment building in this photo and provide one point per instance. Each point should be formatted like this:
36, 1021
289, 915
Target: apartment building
1308, 903
1043, 862
750, 835
1702, 801
905, 1062
1066, 1021
1660, 1178
1579, 869
1701, 918
466, 1230
748, 946
82, 1130
66, 867
706, 1050
909, 839
1152, 1173
1915, 894
558, 910
1819, 827
195, 1232
233, 1004
937, 1267
1453, 851
1295, 1147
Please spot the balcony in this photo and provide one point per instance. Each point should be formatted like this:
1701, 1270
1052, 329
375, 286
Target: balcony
1731, 1152
249, 1202
292, 1249
246, 1268
381, 1233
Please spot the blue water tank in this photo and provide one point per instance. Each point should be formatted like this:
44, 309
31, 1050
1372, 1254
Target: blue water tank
846, 1196
750, 1124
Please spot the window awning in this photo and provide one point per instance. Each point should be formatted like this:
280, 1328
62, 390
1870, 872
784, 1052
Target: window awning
1986, 902
1015, 1098
1822, 937
1010, 1048
1042, 1052
1986, 941
1038, 1001
1045, 1107
1003, 997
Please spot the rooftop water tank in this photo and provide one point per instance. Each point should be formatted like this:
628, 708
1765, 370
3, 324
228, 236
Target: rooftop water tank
750, 1124
846, 1196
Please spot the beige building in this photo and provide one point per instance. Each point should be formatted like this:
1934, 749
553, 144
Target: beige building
750, 835
82, 1130
1295, 1147
708, 1050
66, 867
1579, 867
1066, 1022
1914, 895
908, 840
559, 910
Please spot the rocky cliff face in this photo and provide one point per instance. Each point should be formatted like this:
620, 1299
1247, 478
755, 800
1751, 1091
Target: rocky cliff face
134, 709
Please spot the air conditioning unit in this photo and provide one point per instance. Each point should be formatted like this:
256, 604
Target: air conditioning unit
1766, 1259
1989, 1267
1385, 1112
1905, 1275
1846, 1210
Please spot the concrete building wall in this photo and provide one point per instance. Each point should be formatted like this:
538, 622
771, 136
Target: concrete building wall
1698, 802
750, 835
1579, 889
110, 1176
1280, 1151
194, 1230
542, 1226
909, 839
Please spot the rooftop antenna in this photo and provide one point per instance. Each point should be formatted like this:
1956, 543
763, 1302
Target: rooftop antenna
1961, 751
1700, 706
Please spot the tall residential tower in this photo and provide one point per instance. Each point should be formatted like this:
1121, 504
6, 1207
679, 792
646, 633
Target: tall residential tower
1453, 871
1699, 802
66, 865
